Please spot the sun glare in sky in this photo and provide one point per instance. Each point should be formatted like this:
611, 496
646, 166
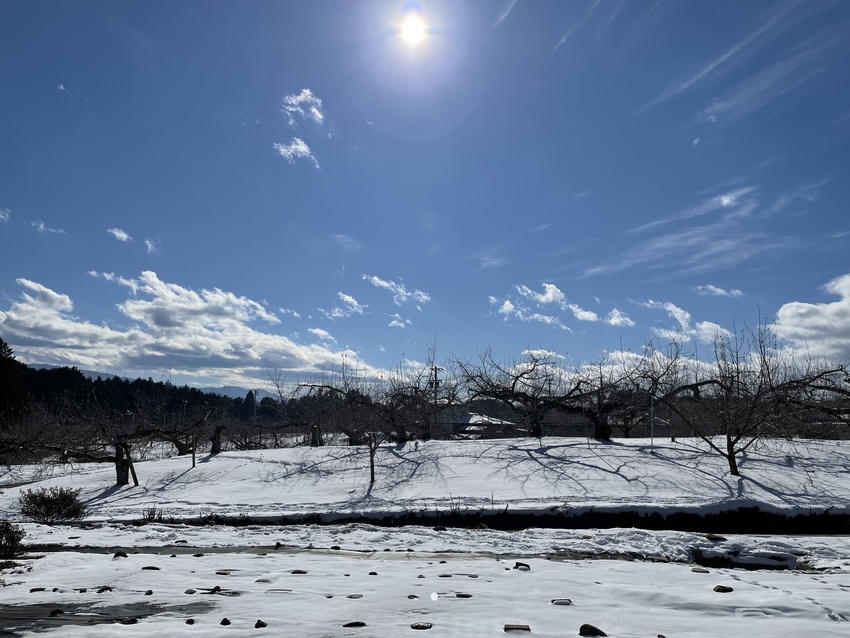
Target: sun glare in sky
413, 29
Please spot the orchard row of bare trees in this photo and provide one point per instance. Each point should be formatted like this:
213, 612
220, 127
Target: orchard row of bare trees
742, 389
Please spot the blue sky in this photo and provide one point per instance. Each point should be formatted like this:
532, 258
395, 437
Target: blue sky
216, 190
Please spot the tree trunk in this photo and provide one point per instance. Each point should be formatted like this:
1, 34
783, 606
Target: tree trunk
316, 439
601, 429
215, 439
730, 456
122, 466
372, 452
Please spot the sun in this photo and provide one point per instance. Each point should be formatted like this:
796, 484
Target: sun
413, 29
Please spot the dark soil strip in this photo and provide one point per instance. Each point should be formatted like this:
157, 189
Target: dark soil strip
737, 521
19, 620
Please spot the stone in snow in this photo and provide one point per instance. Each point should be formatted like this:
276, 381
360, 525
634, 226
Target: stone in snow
590, 630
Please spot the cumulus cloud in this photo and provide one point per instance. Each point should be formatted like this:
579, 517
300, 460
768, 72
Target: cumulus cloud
286, 311
400, 294
396, 321
132, 284
323, 335
350, 306
716, 291
296, 149
5, 214
519, 311
41, 227
552, 295
119, 234
617, 318
822, 328
210, 335
305, 105
703, 331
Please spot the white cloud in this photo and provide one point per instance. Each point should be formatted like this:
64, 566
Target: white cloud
351, 303
399, 292
723, 201
398, 322
731, 57
704, 331
119, 234
132, 284
324, 335
617, 318
581, 314
208, 335
754, 93
304, 104
541, 353
552, 294
715, 291
807, 194
286, 311
346, 242
41, 227
821, 328
577, 25
5, 214
695, 141
505, 12
350, 306
150, 246
296, 149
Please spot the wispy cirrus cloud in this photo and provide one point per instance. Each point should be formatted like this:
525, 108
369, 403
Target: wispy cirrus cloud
734, 237
488, 257
119, 234
400, 293
346, 242
505, 12
132, 284
296, 149
588, 14
5, 214
41, 227
806, 194
762, 89
151, 246
724, 201
715, 291
305, 105
769, 29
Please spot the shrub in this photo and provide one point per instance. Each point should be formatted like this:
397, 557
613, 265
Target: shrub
11, 536
51, 505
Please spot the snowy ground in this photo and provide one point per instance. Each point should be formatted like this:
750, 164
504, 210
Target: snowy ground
463, 582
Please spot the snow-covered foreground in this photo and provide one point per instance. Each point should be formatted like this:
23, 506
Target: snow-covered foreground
311, 581
470, 476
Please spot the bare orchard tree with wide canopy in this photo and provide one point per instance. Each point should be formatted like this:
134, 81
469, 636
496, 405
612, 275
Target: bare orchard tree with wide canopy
747, 390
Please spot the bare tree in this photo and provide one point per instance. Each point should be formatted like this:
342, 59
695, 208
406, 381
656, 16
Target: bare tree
748, 390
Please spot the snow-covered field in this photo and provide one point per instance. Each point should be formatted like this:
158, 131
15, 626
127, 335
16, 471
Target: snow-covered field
306, 580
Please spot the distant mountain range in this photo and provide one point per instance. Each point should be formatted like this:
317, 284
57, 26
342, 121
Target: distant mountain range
232, 391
